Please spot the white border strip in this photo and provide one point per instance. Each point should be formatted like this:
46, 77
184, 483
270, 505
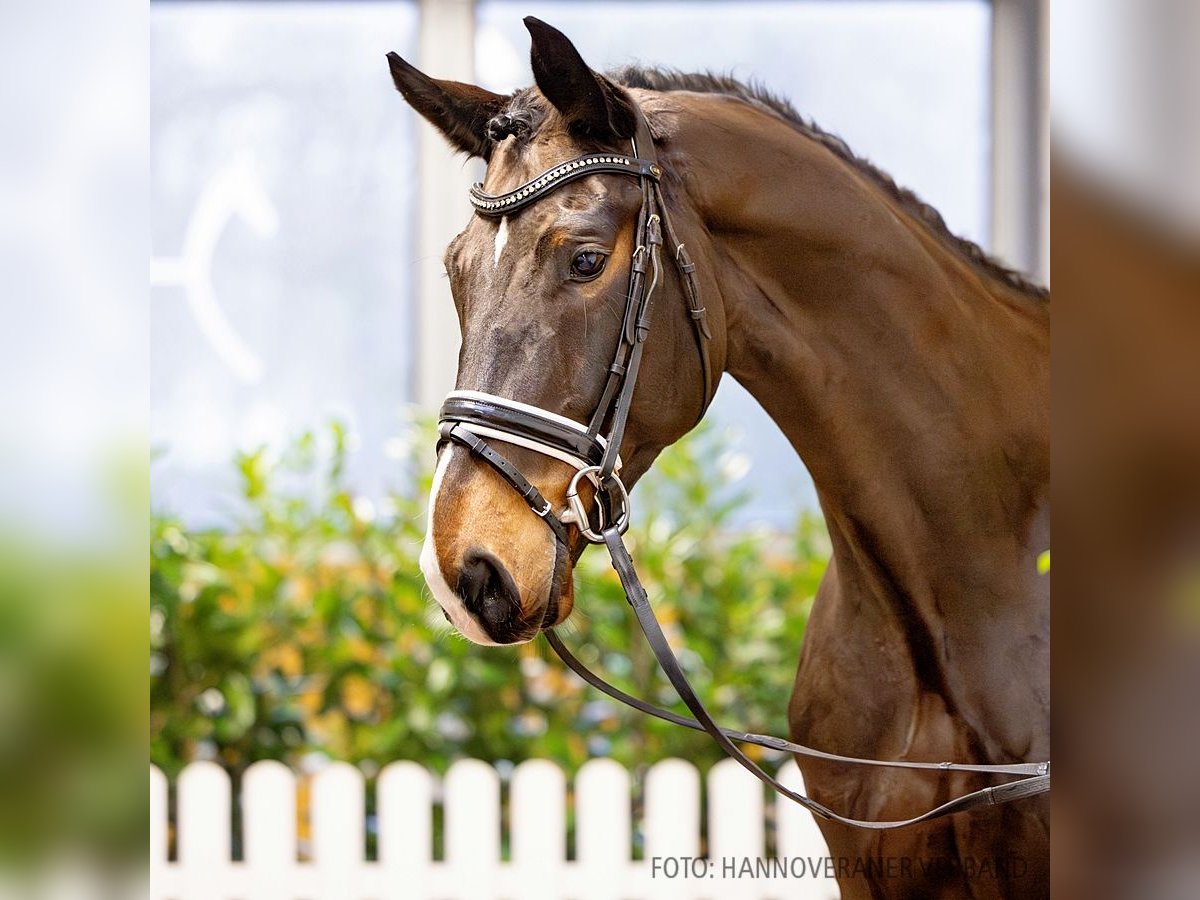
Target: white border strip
576, 462
523, 407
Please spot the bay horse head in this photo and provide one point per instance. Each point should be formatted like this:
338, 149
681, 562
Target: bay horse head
544, 278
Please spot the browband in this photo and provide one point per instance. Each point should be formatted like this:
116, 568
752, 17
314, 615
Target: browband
581, 166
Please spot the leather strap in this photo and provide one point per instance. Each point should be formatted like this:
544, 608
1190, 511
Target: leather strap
636, 325
451, 431
638, 600
538, 427
773, 743
696, 309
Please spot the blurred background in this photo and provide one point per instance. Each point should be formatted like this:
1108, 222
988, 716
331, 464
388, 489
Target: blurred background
284, 345
300, 210
302, 335
221, 233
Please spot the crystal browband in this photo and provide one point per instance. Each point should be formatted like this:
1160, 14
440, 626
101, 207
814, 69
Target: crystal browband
591, 164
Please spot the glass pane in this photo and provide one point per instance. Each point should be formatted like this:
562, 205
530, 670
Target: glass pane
283, 182
906, 84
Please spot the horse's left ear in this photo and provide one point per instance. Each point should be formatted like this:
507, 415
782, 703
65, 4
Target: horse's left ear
590, 102
459, 111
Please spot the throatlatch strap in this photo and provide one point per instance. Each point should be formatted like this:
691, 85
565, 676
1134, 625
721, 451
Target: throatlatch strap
696, 310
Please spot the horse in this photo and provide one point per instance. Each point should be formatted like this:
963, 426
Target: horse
909, 370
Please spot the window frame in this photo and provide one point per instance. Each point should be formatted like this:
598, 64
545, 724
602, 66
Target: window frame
1020, 165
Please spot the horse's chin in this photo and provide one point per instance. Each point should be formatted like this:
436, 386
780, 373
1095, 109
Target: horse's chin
562, 597
562, 591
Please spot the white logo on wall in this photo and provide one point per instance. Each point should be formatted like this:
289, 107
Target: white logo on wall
233, 190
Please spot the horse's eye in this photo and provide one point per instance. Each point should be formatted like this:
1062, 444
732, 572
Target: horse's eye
587, 264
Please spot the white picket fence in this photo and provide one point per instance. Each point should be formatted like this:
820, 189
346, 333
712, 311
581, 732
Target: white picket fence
336, 867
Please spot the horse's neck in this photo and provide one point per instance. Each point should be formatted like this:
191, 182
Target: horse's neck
914, 388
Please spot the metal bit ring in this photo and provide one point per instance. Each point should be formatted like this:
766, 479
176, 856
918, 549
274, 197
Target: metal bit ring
575, 504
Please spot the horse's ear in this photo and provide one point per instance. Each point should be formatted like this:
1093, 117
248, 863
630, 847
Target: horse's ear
590, 102
459, 111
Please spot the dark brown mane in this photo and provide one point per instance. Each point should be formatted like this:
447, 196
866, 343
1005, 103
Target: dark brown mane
656, 79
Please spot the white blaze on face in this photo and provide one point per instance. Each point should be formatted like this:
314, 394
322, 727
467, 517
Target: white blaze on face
501, 239
431, 568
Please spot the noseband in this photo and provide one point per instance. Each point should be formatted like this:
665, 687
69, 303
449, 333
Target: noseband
473, 419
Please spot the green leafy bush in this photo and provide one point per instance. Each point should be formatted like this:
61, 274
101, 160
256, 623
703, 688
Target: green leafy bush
307, 626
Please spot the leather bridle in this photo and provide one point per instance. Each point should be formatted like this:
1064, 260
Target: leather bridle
474, 419
471, 418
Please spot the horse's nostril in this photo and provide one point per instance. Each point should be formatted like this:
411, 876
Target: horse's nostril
489, 592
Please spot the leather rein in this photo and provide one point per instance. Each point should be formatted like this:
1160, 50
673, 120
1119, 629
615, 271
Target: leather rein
474, 419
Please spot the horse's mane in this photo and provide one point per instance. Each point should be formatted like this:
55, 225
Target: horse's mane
658, 79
